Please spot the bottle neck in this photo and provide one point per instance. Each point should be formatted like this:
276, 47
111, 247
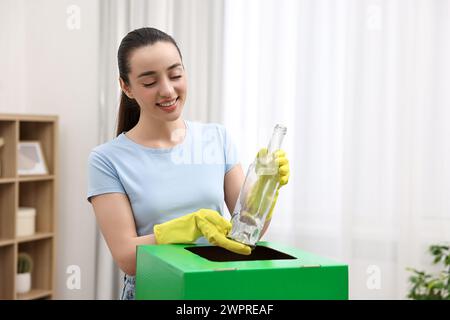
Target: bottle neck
277, 138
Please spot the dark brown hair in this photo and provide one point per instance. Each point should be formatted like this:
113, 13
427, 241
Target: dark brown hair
129, 109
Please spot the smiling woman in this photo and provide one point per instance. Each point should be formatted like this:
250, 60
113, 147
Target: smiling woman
157, 82
140, 190
153, 79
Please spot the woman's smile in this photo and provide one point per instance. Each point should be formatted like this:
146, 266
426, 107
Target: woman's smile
167, 102
168, 105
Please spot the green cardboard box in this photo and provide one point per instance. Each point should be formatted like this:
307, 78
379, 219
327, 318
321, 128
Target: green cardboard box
204, 272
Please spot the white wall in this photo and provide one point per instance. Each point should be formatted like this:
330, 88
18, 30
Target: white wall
50, 69
13, 88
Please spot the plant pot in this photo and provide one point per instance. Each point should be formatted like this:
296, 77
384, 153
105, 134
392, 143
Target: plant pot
23, 282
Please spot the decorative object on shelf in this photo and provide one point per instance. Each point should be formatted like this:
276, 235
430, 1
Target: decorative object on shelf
31, 158
24, 269
25, 224
2, 143
426, 286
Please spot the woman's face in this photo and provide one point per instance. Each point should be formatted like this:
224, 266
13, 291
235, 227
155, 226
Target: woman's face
157, 81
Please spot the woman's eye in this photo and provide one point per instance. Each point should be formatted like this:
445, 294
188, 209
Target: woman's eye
151, 84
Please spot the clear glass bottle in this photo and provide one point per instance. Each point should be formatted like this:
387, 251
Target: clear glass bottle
257, 193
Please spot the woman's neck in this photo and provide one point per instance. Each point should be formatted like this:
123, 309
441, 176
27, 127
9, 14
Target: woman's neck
154, 133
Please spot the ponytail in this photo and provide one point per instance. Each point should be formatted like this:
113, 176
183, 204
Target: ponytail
129, 112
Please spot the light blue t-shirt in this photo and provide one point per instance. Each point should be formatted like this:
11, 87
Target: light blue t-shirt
165, 183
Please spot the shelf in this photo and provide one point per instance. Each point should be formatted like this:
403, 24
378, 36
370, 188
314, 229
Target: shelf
7, 180
41, 252
6, 242
37, 236
34, 237
27, 178
28, 117
39, 195
34, 294
36, 178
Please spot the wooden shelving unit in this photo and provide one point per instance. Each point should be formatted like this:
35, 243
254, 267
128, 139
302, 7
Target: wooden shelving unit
38, 192
35, 294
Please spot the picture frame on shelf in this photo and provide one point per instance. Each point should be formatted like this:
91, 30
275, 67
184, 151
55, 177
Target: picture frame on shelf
31, 159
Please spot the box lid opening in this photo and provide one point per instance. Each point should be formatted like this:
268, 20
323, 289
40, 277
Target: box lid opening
218, 254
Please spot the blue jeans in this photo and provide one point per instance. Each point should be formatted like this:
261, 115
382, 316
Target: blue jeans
128, 288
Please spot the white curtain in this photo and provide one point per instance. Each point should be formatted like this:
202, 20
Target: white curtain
362, 88
196, 25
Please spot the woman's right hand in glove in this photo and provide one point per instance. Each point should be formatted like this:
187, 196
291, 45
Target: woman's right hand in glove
204, 222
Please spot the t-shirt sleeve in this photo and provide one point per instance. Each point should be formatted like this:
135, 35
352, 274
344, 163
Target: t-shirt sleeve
230, 151
102, 177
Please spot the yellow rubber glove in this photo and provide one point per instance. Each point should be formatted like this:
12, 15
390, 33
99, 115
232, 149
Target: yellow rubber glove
264, 183
206, 222
282, 162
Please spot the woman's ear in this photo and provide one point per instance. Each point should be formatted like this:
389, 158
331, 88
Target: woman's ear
125, 88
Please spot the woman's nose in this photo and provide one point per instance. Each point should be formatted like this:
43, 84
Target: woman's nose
166, 89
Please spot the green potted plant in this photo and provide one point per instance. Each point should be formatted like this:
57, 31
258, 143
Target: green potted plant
426, 286
24, 269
